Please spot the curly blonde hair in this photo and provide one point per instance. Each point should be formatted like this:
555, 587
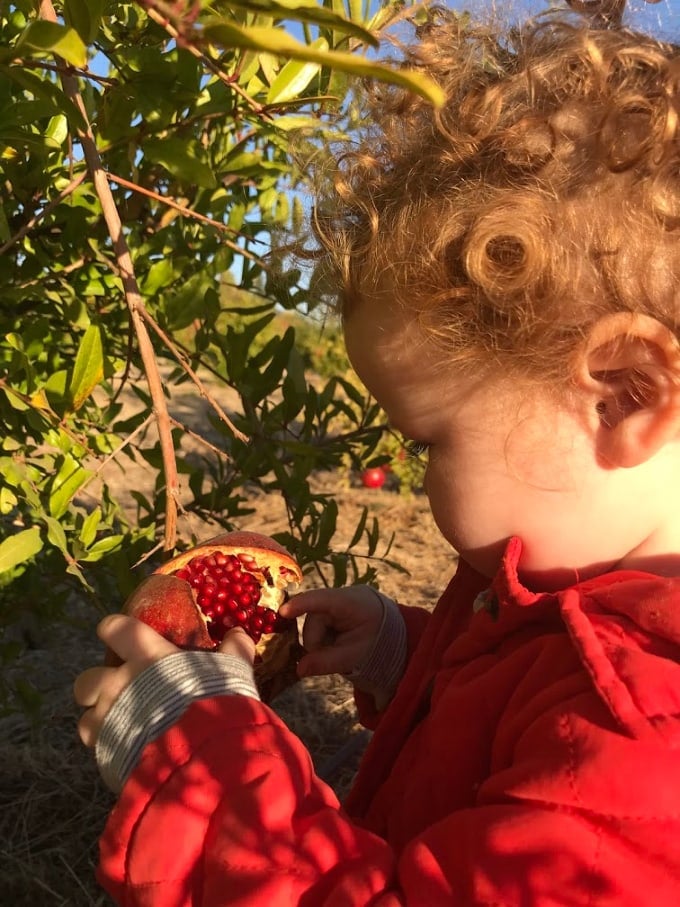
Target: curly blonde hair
544, 194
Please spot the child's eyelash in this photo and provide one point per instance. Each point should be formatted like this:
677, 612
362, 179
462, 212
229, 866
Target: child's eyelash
416, 448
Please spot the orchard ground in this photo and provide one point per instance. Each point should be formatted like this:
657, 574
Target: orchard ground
52, 804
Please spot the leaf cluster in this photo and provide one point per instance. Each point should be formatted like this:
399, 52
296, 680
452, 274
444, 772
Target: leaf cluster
145, 169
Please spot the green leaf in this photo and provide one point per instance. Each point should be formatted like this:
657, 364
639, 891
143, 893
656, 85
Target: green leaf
15, 401
187, 303
19, 548
88, 531
70, 478
88, 370
57, 130
56, 534
278, 41
309, 12
160, 274
8, 500
186, 160
294, 77
46, 90
359, 531
52, 37
327, 523
85, 16
102, 547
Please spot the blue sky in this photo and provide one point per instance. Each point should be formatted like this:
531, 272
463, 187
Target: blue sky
658, 18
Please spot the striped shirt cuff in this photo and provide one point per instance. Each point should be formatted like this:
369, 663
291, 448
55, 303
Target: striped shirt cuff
383, 667
157, 698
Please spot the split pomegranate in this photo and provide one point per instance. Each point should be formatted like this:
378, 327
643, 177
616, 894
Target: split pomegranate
238, 579
228, 590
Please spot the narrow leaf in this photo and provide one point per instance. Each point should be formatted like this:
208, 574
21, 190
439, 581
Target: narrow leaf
19, 548
308, 12
294, 77
46, 90
5, 232
70, 478
88, 533
56, 534
102, 547
278, 41
85, 16
52, 37
185, 160
359, 531
88, 370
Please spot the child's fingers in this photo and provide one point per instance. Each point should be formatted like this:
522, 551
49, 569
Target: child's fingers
87, 686
318, 601
328, 660
314, 602
316, 632
96, 689
89, 726
133, 640
237, 642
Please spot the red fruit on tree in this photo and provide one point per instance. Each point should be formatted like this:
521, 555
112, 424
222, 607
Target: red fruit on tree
238, 579
373, 478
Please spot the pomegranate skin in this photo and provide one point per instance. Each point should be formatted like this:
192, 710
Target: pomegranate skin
373, 478
167, 604
262, 548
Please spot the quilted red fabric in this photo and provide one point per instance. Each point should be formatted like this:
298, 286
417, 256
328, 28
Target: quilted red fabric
529, 759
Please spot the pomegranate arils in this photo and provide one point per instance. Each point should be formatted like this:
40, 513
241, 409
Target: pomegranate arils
228, 594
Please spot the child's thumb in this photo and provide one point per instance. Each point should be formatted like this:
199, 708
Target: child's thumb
132, 640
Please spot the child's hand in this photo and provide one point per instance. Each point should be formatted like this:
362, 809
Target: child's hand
340, 628
138, 646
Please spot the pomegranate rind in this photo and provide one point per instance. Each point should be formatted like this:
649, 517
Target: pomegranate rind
276, 658
167, 605
266, 552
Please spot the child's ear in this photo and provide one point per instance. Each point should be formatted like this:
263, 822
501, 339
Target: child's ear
629, 369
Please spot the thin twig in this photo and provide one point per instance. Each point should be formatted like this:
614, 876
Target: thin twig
148, 554
162, 15
39, 215
48, 413
73, 874
61, 68
188, 212
184, 362
133, 297
121, 446
199, 438
67, 269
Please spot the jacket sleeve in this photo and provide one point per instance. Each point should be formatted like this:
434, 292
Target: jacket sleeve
225, 809
414, 621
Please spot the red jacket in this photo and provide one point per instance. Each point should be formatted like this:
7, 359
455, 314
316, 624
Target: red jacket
530, 757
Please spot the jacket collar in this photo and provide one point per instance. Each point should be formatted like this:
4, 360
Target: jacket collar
625, 626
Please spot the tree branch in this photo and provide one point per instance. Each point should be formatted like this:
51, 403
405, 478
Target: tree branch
133, 297
163, 14
184, 362
188, 212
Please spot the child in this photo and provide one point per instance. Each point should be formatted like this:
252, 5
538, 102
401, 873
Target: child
509, 269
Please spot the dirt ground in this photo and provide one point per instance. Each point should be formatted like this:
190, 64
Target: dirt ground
52, 804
